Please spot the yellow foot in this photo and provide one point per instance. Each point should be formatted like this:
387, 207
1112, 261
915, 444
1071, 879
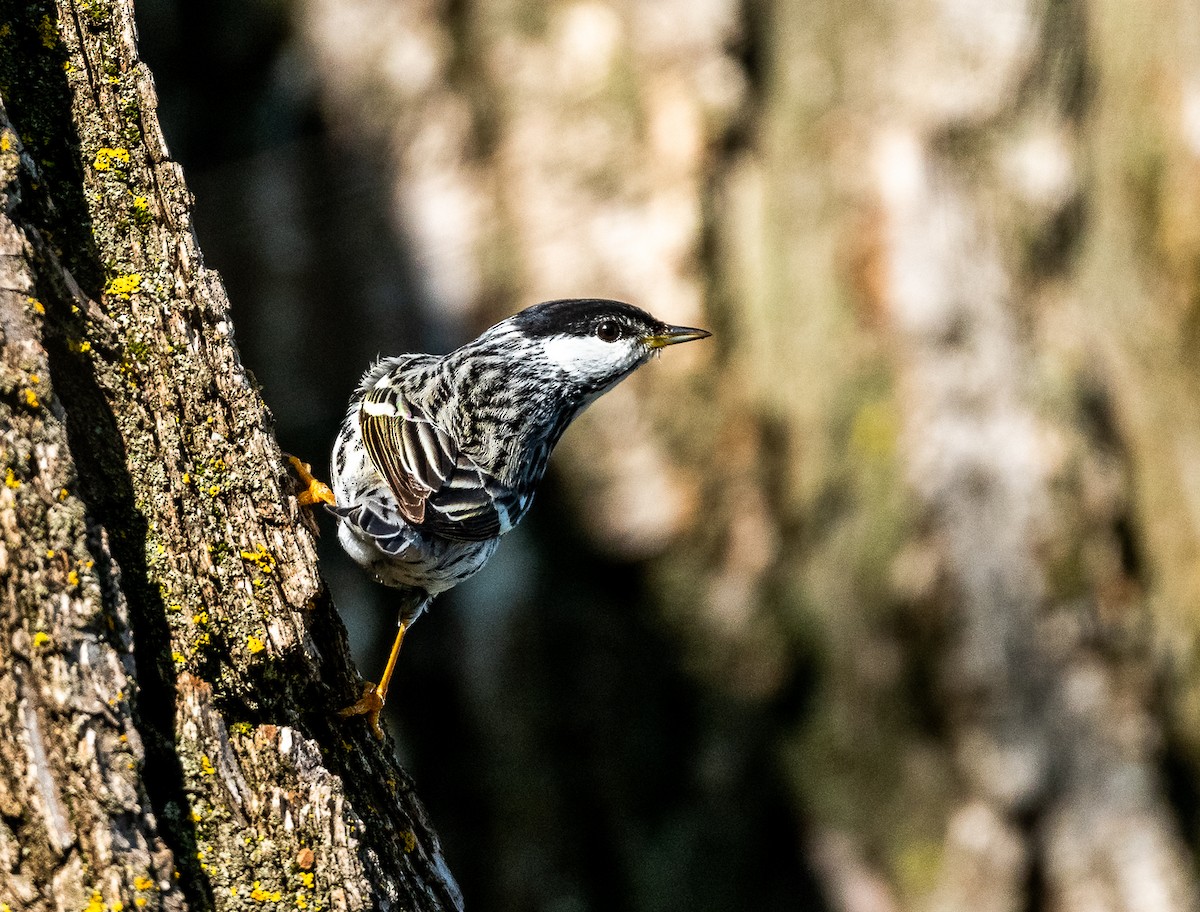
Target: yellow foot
314, 491
369, 704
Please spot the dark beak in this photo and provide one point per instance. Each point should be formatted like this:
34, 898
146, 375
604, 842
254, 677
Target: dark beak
673, 335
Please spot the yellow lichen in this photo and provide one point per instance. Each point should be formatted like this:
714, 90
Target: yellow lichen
410, 840
142, 883
35, 379
41, 638
10, 480
208, 769
125, 284
261, 557
140, 901
73, 578
48, 31
96, 903
38, 306
258, 894
306, 878
106, 158
254, 644
31, 399
200, 617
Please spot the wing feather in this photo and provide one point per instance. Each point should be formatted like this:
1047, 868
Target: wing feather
437, 487
385, 442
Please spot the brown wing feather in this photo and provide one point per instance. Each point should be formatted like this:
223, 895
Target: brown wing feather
414, 456
436, 486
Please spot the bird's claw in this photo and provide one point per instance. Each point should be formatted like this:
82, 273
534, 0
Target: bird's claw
314, 491
370, 704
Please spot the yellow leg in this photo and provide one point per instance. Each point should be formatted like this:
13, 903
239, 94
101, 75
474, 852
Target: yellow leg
371, 702
314, 491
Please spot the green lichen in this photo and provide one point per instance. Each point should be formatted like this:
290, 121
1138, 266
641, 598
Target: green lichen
96, 15
48, 32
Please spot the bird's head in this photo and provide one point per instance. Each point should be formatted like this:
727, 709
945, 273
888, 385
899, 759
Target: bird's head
592, 344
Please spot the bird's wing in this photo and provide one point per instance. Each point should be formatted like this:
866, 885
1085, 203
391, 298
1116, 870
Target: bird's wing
473, 506
412, 453
437, 486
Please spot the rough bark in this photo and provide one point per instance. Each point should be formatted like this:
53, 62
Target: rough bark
170, 658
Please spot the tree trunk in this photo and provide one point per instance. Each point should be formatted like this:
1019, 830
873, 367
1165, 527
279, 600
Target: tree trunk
170, 658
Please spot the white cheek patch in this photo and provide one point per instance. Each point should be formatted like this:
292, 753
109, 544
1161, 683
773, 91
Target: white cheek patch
587, 356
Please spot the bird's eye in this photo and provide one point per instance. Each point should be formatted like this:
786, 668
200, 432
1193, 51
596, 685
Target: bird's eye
608, 331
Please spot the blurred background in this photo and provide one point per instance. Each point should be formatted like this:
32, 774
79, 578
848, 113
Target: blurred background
886, 598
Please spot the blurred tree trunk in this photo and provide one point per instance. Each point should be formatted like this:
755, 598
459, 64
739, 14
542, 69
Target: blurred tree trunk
1020, 463
929, 506
169, 658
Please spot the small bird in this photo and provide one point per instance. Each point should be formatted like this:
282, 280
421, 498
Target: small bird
440, 455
